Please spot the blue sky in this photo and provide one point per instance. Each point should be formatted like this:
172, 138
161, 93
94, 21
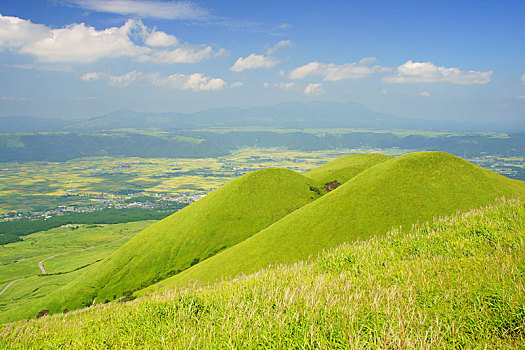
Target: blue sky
449, 60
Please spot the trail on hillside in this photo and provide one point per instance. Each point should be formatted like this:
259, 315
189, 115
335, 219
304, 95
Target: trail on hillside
10, 284
43, 270
41, 262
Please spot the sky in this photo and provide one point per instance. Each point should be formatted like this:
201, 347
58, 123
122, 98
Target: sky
444, 60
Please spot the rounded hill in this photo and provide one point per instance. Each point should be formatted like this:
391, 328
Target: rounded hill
401, 191
343, 169
220, 220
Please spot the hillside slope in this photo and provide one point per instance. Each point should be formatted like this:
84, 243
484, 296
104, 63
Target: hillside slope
457, 283
344, 168
398, 192
224, 218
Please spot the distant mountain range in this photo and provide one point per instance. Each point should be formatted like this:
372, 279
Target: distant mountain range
293, 115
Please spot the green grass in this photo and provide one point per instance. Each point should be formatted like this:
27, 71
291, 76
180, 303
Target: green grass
20, 260
398, 192
344, 168
456, 283
222, 219
273, 216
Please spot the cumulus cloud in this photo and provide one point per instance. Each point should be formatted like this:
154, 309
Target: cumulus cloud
152, 9
254, 61
425, 94
16, 32
156, 38
195, 81
92, 76
523, 79
428, 72
334, 72
314, 89
78, 43
180, 55
260, 61
114, 80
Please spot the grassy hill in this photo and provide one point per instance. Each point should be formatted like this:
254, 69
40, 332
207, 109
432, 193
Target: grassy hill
279, 216
397, 192
222, 219
457, 283
344, 168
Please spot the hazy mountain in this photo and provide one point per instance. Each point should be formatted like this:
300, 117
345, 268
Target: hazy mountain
284, 115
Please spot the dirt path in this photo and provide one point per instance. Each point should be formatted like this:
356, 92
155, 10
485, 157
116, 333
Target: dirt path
43, 270
10, 284
41, 262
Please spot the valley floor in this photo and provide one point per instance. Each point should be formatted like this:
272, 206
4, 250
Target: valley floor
456, 283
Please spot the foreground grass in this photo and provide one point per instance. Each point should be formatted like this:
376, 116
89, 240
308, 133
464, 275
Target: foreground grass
457, 283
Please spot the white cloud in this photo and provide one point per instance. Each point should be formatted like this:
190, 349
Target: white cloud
281, 85
179, 55
78, 43
367, 60
520, 97
523, 79
44, 67
156, 38
254, 61
314, 89
285, 26
92, 76
425, 94
82, 44
125, 79
195, 81
16, 32
428, 72
279, 45
152, 9
14, 98
114, 80
334, 72
260, 61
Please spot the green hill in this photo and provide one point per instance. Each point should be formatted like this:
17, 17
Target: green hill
279, 216
344, 168
397, 192
224, 218
455, 284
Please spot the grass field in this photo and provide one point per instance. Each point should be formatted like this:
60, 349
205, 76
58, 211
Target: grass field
397, 192
44, 185
276, 216
74, 249
455, 283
